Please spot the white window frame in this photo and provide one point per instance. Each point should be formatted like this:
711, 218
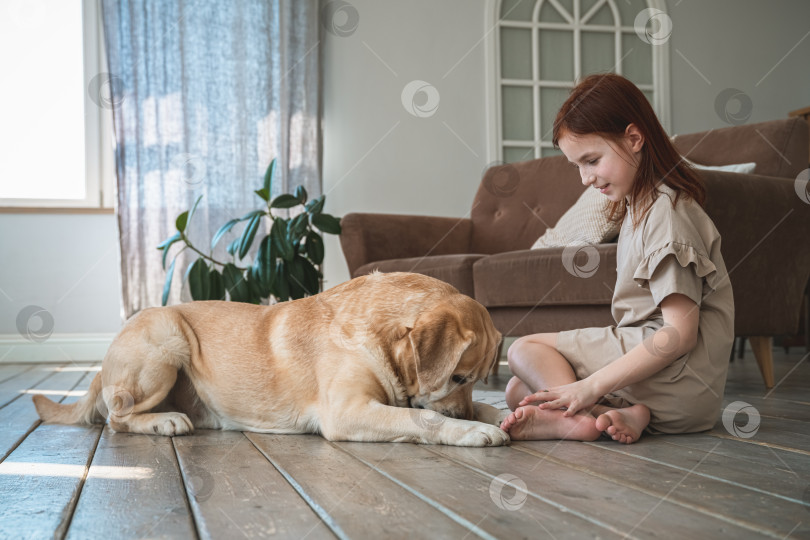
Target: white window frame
98, 132
495, 142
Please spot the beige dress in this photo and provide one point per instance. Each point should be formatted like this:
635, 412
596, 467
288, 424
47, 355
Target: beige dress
673, 250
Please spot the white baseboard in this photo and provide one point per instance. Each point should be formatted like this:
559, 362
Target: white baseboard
56, 348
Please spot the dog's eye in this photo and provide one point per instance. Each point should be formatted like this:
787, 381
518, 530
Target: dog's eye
458, 379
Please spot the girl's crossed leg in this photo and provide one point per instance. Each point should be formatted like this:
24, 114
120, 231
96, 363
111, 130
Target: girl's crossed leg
536, 364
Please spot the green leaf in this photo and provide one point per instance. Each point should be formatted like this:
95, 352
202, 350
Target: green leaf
222, 230
166, 244
216, 286
264, 194
301, 194
285, 200
169, 241
279, 238
255, 286
193, 209
233, 246
315, 247
181, 221
326, 223
315, 206
265, 263
281, 288
248, 235
252, 213
312, 277
197, 275
235, 283
297, 228
268, 175
168, 284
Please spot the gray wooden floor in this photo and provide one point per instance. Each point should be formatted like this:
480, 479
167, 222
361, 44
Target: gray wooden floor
87, 482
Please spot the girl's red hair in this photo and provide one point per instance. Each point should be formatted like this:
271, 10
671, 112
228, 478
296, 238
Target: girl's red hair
605, 104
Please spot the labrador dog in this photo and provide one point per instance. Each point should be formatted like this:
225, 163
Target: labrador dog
381, 358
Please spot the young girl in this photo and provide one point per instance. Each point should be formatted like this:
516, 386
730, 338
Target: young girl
663, 366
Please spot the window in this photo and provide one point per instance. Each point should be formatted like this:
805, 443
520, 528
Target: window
539, 48
56, 128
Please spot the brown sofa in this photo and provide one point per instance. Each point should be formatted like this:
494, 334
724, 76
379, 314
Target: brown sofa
764, 223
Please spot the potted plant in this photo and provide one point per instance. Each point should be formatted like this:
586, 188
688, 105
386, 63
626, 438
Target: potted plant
285, 266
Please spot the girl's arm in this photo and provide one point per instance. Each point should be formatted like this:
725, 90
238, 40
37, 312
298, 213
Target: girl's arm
677, 337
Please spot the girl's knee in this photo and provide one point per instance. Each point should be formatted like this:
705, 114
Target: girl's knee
524, 350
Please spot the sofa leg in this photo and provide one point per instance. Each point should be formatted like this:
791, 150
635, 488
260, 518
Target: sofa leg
763, 352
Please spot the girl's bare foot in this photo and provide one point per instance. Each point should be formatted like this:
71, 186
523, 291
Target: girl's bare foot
532, 423
624, 425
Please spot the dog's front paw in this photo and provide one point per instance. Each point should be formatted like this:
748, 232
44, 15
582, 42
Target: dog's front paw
171, 424
483, 435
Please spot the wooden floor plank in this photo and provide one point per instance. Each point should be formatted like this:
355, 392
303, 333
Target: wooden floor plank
757, 456
19, 417
353, 499
770, 480
231, 485
754, 510
774, 407
8, 371
631, 511
781, 432
511, 513
133, 490
14, 387
41, 478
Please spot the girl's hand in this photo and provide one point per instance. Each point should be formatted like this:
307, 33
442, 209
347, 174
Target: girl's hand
575, 396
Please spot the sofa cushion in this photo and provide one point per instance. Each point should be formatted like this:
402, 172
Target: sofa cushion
584, 223
778, 147
574, 275
453, 269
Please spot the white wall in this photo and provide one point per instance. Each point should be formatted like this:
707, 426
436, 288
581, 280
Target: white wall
380, 158
761, 47
67, 264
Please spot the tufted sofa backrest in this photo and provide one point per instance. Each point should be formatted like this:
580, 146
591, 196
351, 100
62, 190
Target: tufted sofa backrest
516, 202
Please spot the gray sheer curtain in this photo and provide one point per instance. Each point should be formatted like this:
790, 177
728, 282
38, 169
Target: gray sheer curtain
204, 94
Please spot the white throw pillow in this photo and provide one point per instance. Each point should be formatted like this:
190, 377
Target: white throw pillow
745, 168
585, 222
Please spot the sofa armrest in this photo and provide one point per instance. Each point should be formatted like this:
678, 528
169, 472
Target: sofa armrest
764, 225
375, 237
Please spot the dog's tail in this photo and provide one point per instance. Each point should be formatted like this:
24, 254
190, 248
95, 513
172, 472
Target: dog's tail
83, 411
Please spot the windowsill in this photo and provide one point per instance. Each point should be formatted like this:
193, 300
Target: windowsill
54, 210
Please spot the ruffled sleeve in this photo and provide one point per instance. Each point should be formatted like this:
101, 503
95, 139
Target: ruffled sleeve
676, 268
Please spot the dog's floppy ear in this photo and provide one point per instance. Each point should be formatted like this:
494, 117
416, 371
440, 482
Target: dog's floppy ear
438, 340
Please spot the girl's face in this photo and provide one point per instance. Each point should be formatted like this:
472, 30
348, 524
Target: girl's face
603, 164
